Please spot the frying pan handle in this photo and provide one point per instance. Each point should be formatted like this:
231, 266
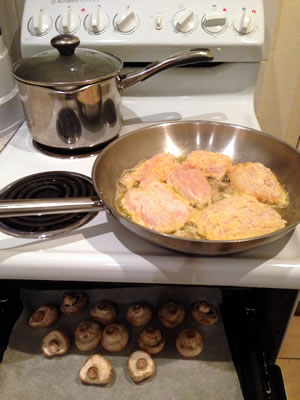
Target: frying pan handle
186, 57
18, 208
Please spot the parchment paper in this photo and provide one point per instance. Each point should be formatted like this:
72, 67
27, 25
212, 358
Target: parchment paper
25, 374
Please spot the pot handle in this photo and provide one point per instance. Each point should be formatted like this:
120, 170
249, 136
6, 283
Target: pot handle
186, 57
18, 208
65, 44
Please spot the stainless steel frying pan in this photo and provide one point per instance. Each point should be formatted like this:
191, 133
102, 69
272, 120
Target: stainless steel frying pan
180, 138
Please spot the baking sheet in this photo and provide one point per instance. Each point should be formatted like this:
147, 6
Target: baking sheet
26, 374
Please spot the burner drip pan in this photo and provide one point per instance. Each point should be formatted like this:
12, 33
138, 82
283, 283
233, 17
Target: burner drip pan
57, 184
69, 153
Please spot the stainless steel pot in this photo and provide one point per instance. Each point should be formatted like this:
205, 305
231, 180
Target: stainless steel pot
180, 138
72, 98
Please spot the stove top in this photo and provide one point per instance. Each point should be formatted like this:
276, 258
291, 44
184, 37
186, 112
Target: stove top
102, 250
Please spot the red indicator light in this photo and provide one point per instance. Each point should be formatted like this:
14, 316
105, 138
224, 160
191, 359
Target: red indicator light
83, 10
224, 9
254, 11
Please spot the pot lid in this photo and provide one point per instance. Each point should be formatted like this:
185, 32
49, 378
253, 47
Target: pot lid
67, 67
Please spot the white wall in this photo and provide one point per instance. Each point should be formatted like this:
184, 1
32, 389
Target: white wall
278, 87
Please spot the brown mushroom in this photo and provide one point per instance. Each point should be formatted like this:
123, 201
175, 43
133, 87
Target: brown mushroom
55, 343
104, 312
114, 337
151, 340
171, 314
74, 303
87, 335
43, 317
189, 343
139, 314
204, 314
97, 370
140, 365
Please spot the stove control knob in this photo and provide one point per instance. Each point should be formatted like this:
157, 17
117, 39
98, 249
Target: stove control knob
158, 22
185, 21
97, 21
39, 24
126, 22
214, 22
244, 23
68, 22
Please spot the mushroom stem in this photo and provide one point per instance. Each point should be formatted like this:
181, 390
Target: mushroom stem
53, 346
38, 316
190, 334
114, 334
172, 309
141, 363
92, 373
204, 308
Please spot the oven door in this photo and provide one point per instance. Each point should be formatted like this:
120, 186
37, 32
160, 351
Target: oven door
254, 321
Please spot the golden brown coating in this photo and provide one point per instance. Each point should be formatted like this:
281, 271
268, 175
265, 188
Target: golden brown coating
237, 217
156, 168
156, 206
259, 181
211, 164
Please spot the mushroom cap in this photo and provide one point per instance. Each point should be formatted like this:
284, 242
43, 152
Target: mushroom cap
104, 312
140, 365
97, 370
55, 343
139, 314
171, 314
74, 303
204, 314
189, 343
114, 337
43, 317
87, 335
151, 340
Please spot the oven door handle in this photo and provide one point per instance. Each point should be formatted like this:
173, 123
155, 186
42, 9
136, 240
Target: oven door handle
18, 208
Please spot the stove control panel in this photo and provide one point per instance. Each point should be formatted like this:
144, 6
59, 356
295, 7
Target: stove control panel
138, 31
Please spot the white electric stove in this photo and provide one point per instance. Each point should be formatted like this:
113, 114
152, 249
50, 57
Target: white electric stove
102, 250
